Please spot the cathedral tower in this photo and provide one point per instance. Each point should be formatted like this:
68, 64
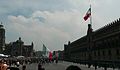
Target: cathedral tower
2, 38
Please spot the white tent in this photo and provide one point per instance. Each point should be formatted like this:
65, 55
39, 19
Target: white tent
2, 55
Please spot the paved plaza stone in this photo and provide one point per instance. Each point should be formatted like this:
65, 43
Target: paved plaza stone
60, 66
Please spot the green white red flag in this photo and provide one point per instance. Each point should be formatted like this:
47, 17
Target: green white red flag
88, 14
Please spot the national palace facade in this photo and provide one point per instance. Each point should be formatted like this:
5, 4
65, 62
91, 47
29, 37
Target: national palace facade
98, 48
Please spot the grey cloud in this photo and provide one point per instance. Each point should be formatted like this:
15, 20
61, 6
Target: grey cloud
54, 31
20, 6
54, 21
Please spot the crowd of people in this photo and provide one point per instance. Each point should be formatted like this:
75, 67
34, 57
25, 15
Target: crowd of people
13, 63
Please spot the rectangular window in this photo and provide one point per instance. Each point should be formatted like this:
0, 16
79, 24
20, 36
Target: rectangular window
103, 52
94, 53
109, 52
98, 53
117, 52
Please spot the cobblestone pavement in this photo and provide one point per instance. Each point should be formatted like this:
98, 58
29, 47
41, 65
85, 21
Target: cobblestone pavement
60, 66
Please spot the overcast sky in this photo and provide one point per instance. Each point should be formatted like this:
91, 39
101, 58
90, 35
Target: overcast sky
53, 22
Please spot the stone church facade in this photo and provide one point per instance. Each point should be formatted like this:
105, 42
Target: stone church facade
17, 48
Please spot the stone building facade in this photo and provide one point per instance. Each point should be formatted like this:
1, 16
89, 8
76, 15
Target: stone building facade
97, 47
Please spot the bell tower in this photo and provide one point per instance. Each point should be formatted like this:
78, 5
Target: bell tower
2, 38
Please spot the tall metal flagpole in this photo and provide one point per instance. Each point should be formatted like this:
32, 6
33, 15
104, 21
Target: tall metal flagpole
91, 15
90, 37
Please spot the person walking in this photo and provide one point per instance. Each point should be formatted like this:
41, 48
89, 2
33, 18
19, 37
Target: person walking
24, 67
40, 67
72, 67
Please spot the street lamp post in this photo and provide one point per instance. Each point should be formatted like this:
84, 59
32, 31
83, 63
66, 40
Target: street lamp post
21, 48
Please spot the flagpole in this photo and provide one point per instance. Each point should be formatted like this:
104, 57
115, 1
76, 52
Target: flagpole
91, 16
